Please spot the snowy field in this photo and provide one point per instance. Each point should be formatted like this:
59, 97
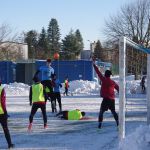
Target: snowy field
77, 135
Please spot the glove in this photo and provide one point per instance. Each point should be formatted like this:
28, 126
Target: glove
6, 115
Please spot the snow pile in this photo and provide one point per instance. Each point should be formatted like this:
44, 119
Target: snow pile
128, 78
133, 87
16, 89
92, 87
84, 87
138, 140
77, 87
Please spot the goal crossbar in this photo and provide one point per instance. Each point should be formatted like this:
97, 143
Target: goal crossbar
137, 46
123, 41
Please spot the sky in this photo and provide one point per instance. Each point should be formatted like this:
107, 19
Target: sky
88, 16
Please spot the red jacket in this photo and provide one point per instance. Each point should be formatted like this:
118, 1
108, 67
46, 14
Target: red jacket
108, 86
66, 84
3, 100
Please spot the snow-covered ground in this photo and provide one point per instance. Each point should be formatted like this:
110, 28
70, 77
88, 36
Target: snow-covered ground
77, 135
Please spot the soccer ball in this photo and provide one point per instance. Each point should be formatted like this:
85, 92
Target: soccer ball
56, 56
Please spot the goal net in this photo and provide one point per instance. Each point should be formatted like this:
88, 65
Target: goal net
126, 66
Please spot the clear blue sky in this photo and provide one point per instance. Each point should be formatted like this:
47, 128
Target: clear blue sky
86, 15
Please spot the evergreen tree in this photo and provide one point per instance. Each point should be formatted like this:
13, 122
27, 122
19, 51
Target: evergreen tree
70, 46
98, 50
80, 41
31, 39
53, 36
42, 38
43, 44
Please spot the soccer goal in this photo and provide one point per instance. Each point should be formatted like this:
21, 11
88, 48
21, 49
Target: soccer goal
123, 43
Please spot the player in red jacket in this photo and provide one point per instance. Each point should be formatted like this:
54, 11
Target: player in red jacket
107, 92
66, 84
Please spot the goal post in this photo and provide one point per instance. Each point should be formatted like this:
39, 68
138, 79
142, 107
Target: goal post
123, 41
148, 89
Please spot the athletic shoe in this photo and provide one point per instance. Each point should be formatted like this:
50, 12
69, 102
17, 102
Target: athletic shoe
11, 146
30, 127
45, 126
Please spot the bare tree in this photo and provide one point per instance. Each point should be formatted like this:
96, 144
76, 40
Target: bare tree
133, 21
9, 50
6, 33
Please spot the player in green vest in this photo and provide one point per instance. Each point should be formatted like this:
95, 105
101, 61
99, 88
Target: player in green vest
4, 116
71, 115
37, 99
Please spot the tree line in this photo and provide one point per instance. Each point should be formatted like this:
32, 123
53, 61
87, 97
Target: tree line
132, 21
45, 44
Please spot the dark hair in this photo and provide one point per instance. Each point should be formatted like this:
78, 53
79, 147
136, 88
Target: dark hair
36, 79
83, 113
48, 60
108, 73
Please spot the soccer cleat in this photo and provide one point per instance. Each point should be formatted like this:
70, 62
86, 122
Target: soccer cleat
11, 146
30, 127
45, 126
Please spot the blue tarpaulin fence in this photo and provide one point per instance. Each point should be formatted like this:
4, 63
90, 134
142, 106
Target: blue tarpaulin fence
7, 72
74, 70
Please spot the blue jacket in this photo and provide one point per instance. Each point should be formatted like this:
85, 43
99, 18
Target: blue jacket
57, 85
46, 72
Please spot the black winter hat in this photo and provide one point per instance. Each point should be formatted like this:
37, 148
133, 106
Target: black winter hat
108, 73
